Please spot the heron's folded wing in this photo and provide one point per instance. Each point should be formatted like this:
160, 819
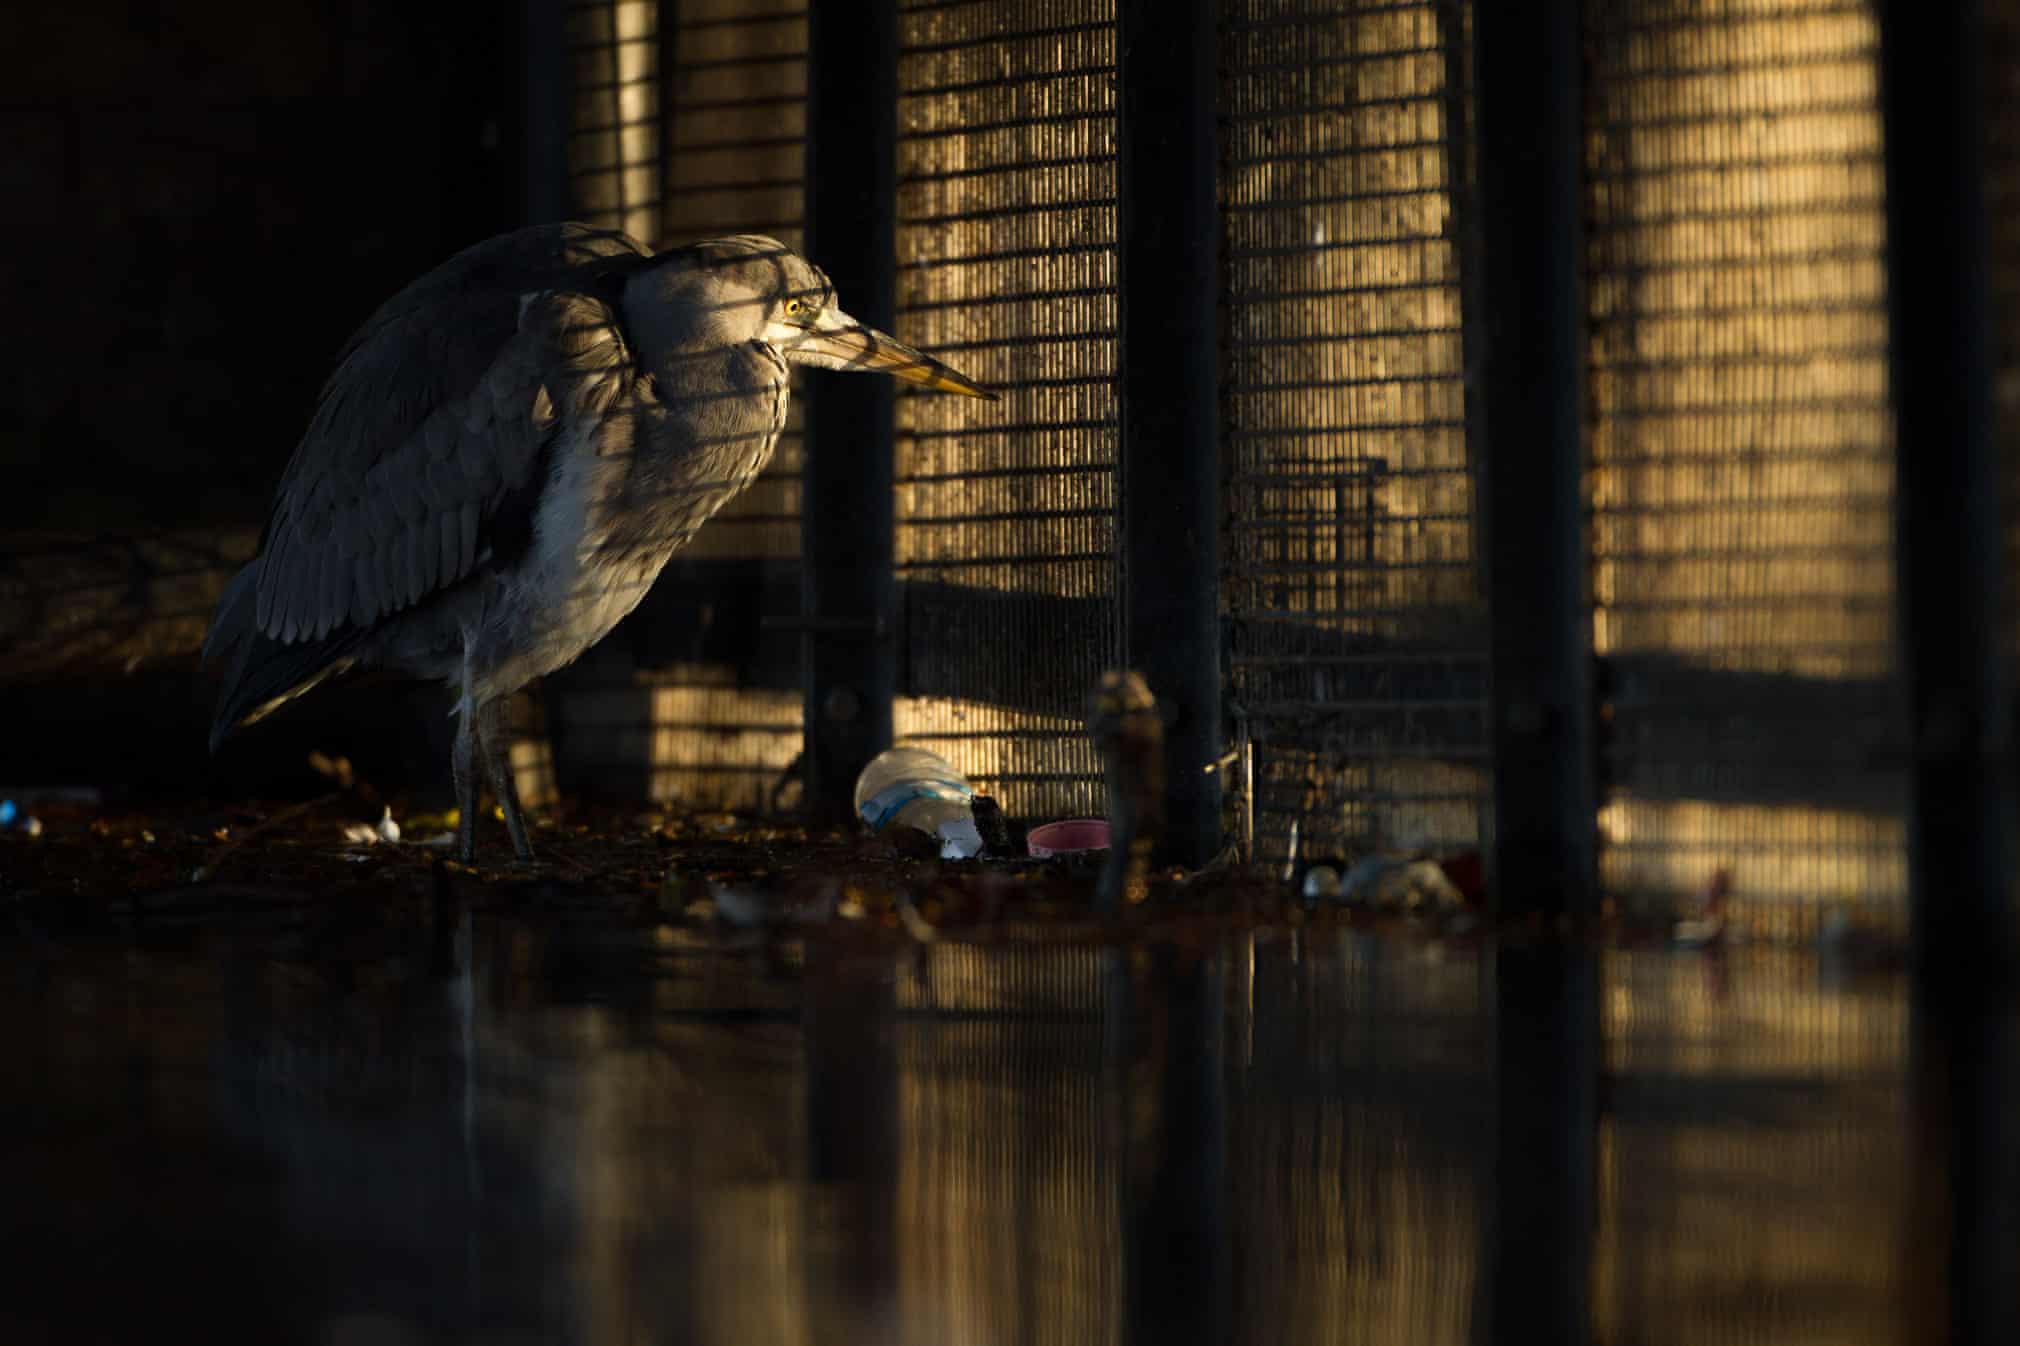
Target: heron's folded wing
428, 453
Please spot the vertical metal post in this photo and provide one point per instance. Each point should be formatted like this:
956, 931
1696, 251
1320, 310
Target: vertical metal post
850, 596
1169, 476
1951, 589
547, 80
1947, 536
1527, 64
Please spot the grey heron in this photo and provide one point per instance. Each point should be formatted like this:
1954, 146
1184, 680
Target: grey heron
506, 456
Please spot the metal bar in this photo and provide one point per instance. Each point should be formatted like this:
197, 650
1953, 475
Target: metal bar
546, 72
849, 591
1947, 488
667, 37
1527, 68
1169, 473
1951, 587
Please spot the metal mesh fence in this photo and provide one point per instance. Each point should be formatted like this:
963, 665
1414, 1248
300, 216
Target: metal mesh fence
1351, 574
1006, 250
613, 148
1740, 485
690, 124
1741, 454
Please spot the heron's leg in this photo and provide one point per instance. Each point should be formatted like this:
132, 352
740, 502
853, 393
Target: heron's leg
463, 766
497, 746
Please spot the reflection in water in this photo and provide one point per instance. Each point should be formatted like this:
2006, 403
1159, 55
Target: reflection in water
607, 1135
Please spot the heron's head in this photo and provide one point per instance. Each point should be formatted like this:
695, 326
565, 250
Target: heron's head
751, 288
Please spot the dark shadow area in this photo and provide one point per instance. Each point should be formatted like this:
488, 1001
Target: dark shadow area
207, 201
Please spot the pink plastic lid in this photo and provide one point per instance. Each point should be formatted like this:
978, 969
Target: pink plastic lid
1063, 838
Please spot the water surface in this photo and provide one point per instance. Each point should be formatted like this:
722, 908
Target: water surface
573, 1130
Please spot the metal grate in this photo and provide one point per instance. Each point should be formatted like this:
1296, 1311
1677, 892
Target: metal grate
613, 148
1741, 474
1006, 528
695, 701
1351, 580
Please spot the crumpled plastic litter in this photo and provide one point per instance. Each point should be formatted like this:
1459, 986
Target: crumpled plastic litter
1386, 880
1708, 926
367, 834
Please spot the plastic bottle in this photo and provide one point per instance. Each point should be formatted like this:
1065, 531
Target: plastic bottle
910, 787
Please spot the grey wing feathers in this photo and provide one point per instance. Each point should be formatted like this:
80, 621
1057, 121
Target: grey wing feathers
437, 414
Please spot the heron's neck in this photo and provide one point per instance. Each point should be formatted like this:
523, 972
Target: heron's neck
673, 319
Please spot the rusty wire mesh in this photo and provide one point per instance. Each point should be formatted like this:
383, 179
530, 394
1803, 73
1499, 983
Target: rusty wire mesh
1006, 250
1351, 575
1741, 444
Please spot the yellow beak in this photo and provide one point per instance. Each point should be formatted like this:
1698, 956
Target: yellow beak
865, 348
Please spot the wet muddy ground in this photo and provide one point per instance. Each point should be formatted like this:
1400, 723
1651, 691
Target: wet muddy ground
130, 866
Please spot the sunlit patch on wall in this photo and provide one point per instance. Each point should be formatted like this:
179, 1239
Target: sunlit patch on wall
1741, 452
1040, 766
686, 734
1790, 866
613, 155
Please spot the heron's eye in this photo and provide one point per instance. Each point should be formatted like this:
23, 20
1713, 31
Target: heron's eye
794, 308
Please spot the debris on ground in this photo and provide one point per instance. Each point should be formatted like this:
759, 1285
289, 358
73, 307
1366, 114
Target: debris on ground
1068, 836
369, 834
905, 790
1400, 882
1707, 925
994, 828
702, 873
18, 802
1127, 729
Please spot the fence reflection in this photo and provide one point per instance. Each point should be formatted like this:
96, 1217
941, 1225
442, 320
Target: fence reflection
598, 1135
